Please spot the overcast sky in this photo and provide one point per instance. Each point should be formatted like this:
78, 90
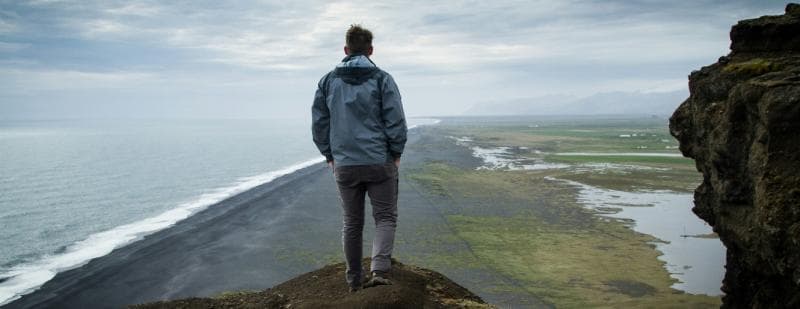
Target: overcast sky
262, 59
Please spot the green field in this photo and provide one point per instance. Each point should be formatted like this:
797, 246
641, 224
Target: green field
534, 232
552, 141
574, 135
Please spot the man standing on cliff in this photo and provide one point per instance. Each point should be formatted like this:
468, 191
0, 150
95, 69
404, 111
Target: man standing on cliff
360, 128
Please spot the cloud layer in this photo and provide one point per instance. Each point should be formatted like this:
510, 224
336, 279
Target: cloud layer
243, 59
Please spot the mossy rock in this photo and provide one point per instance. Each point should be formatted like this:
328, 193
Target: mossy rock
757, 66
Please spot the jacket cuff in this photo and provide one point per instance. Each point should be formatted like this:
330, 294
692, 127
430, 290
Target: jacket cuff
395, 155
328, 157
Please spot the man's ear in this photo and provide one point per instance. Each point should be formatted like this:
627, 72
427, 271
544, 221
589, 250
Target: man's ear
369, 51
346, 51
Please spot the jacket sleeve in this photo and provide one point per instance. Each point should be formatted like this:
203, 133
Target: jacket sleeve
321, 121
394, 120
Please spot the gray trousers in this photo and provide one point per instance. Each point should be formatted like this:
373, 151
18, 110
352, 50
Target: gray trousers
380, 183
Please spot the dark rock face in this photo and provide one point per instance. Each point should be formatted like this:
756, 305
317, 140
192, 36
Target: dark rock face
741, 124
768, 33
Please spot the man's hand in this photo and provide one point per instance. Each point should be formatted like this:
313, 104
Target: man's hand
330, 164
397, 162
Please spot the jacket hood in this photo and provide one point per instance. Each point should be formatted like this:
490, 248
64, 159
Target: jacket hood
356, 69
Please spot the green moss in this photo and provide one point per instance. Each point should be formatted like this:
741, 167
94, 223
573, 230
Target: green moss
233, 294
431, 180
575, 268
756, 66
304, 256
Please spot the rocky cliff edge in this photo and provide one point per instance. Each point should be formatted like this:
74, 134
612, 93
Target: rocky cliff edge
412, 287
741, 125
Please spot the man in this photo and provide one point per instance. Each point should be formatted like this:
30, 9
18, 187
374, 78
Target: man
360, 128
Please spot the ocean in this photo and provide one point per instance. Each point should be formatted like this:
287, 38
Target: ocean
74, 190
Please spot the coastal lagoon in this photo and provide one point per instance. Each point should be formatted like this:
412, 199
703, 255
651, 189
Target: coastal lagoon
692, 253
603, 205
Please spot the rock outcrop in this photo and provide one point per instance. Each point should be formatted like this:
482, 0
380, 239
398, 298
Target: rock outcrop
741, 125
412, 287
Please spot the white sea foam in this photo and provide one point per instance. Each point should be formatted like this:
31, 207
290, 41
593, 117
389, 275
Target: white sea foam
462, 141
422, 122
26, 278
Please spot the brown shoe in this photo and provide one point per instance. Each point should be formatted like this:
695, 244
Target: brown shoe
378, 278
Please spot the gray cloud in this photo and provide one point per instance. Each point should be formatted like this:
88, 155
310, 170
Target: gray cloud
264, 58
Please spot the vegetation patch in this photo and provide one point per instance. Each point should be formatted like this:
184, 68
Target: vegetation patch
678, 180
233, 294
533, 232
650, 160
574, 268
645, 135
631, 288
755, 66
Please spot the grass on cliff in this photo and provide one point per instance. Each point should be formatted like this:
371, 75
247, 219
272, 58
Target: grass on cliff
755, 66
533, 232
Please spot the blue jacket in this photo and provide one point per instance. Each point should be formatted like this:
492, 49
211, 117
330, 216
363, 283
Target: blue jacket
357, 116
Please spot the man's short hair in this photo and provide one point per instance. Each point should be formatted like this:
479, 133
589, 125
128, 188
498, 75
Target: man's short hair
358, 39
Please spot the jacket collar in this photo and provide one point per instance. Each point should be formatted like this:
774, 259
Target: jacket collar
356, 60
356, 69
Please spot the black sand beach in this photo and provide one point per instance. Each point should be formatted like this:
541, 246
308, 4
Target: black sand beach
255, 240
512, 237
226, 247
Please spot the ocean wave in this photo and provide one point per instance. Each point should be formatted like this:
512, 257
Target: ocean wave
25, 278
423, 122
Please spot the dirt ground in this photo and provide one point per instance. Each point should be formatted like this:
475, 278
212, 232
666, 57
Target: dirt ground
412, 287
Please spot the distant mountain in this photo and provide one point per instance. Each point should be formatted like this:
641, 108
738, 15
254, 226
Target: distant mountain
657, 103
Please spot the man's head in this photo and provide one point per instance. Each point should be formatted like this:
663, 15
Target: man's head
358, 41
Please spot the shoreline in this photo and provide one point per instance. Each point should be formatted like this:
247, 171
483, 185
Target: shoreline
26, 278
656, 213
270, 186
69, 281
